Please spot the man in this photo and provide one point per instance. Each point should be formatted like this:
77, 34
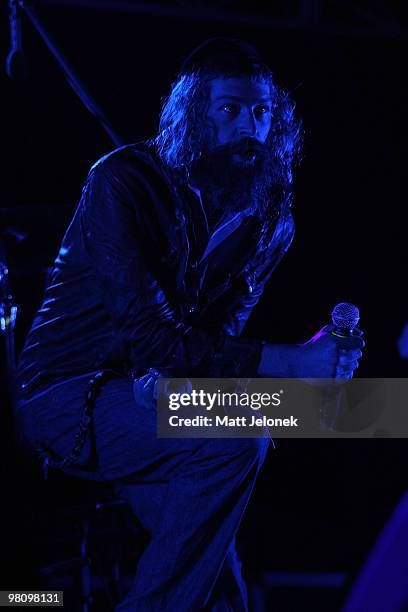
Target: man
168, 253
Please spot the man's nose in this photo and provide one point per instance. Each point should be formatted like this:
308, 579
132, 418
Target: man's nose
247, 126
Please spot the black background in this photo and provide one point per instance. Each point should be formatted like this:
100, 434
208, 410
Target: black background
350, 244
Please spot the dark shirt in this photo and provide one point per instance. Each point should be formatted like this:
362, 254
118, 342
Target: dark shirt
133, 288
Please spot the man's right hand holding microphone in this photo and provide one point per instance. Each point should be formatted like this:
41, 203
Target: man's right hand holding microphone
332, 353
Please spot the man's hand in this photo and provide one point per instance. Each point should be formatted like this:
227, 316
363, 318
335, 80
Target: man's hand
323, 356
328, 356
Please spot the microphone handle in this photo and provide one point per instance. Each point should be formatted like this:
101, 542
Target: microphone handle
333, 396
342, 332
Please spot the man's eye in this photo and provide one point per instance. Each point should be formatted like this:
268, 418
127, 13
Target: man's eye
262, 109
230, 109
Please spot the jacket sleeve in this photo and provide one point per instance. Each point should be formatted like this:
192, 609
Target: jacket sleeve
254, 278
111, 233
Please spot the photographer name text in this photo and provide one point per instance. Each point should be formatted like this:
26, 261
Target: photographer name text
226, 421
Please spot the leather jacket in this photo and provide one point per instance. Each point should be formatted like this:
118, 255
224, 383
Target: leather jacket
128, 291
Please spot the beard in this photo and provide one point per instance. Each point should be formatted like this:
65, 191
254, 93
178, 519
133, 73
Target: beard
235, 177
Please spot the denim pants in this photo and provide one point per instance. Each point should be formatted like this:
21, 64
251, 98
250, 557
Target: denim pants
190, 494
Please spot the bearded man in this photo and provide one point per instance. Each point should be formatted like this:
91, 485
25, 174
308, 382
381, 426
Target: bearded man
167, 254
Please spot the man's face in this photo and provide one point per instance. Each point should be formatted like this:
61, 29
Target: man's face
240, 108
235, 169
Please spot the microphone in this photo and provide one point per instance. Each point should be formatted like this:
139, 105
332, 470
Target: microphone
345, 317
16, 65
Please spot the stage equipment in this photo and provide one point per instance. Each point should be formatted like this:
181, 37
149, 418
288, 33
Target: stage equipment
15, 62
8, 315
382, 584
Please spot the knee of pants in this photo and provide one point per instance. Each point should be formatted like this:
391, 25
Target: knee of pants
256, 448
251, 450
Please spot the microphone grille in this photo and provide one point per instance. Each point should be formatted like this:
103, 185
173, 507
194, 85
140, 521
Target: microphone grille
345, 315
